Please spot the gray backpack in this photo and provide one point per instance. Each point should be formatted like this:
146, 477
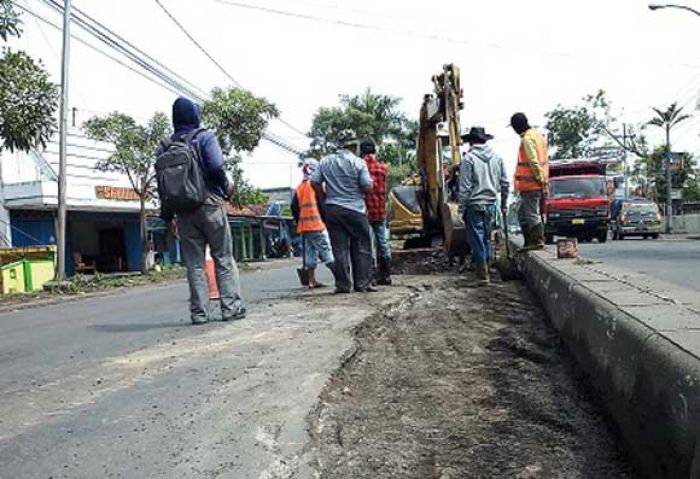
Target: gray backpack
181, 186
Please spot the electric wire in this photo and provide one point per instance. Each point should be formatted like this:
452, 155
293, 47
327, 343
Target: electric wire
116, 44
215, 62
96, 49
178, 86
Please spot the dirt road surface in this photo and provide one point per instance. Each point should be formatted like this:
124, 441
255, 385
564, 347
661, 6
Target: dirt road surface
456, 381
430, 378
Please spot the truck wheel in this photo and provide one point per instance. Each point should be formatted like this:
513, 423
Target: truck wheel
549, 239
603, 237
620, 236
655, 236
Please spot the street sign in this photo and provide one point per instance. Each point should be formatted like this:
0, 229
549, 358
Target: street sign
676, 194
676, 161
607, 152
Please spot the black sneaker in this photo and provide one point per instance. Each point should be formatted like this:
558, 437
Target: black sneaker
198, 321
240, 314
368, 289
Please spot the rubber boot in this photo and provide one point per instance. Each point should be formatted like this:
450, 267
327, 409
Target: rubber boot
527, 237
482, 273
384, 276
534, 238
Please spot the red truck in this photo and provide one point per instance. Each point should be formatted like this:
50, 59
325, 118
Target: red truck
578, 202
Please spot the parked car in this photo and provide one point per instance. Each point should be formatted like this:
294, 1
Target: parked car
635, 217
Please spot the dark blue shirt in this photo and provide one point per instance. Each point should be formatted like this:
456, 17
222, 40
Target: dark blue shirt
186, 118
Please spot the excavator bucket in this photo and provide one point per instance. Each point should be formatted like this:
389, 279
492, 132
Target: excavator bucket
454, 232
405, 212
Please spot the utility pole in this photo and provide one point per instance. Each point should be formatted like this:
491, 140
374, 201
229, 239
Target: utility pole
669, 186
63, 131
624, 152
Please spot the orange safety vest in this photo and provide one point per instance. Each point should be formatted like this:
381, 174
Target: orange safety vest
524, 177
309, 214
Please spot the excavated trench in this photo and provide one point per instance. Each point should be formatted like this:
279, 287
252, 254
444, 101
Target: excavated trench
457, 381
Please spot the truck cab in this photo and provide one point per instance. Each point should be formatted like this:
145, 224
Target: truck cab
577, 204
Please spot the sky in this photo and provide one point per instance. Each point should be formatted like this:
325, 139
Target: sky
514, 56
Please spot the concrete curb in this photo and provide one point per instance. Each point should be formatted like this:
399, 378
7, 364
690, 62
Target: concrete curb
646, 368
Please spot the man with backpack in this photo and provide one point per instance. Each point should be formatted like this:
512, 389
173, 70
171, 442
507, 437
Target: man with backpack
193, 186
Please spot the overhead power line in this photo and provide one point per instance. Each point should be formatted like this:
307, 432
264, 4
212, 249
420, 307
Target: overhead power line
133, 53
405, 32
94, 48
198, 45
214, 61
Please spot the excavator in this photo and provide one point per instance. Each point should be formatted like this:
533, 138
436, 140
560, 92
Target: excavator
422, 208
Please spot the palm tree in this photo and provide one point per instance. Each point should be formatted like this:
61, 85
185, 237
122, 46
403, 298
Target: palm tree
374, 115
667, 119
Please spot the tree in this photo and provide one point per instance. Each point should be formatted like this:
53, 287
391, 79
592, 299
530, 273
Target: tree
368, 115
243, 192
374, 116
239, 118
667, 119
649, 173
586, 129
10, 23
28, 99
134, 156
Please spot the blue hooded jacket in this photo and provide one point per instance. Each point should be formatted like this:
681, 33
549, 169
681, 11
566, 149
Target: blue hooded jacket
185, 120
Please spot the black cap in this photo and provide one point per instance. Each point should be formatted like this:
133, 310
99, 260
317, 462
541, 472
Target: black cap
367, 147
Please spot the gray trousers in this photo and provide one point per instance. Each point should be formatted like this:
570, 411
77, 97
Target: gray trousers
351, 243
529, 210
209, 225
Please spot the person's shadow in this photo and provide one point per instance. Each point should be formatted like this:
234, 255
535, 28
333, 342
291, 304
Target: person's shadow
135, 327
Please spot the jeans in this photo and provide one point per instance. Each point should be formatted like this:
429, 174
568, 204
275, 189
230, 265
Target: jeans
209, 225
380, 243
350, 240
478, 220
317, 244
529, 210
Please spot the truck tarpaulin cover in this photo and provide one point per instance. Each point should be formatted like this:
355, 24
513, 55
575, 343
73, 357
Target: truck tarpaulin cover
576, 167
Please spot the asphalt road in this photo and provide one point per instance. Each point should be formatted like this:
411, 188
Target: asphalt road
123, 386
673, 260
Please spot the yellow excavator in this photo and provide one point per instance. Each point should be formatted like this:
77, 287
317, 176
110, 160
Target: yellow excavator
422, 208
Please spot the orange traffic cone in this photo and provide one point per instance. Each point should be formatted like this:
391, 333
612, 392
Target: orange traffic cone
211, 275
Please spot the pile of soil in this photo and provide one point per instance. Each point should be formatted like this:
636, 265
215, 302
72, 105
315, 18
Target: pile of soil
458, 381
420, 261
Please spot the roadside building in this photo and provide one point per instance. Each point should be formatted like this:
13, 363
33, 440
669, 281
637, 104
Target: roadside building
282, 195
103, 210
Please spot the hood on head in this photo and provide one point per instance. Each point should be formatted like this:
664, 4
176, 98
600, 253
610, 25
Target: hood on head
483, 152
185, 114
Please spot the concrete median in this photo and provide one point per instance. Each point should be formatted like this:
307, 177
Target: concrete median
639, 342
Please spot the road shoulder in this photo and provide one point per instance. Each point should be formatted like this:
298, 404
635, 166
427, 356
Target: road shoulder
637, 338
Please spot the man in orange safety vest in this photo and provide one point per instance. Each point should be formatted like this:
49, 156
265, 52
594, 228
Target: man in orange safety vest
307, 214
531, 180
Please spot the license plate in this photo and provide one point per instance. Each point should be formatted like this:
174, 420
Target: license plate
578, 221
